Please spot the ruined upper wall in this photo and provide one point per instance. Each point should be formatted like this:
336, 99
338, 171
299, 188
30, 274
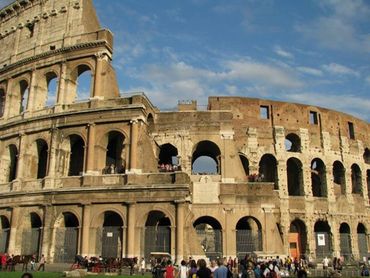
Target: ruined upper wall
32, 27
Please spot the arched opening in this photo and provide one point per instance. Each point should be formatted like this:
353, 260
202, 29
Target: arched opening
292, 143
245, 163
150, 123
83, 83
356, 178
345, 241
24, 93
367, 156
114, 160
268, 169
368, 183
52, 88
76, 156
168, 160
362, 241
339, 178
5, 233
209, 233
318, 178
66, 238
42, 155
295, 177
248, 236
111, 239
297, 238
157, 233
31, 235
323, 239
206, 159
2, 102
13, 162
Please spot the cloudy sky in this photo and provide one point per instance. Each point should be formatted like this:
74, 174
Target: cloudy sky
314, 52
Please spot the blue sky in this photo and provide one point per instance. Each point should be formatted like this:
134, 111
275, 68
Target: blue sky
313, 52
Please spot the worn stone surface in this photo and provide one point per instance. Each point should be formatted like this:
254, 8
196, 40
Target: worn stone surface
56, 177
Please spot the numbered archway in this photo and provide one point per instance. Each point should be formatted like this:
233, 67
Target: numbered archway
111, 236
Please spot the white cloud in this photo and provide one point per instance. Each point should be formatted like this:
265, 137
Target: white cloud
338, 69
283, 53
311, 71
351, 104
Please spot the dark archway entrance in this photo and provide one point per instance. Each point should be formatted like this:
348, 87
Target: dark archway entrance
345, 241
248, 236
4, 234
297, 239
31, 235
362, 241
209, 232
323, 239
157, 233
112, 235
66, 238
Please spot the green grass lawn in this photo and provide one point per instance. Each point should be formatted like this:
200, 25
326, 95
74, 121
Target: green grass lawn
18, 274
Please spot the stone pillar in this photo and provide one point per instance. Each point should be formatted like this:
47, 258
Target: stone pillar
62, 87
310, 233
97, 92
180, 217
21, 156
85, 240
229, 239
46, 239
173, 242
133, 146
51, 158
131, 216
12, 248
334, 228
227, 172
90, 158
269, 227
32, 92
282, 178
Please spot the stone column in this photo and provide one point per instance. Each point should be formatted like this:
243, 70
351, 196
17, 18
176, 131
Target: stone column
268, 231
90, 158
229, 239
46, 239
97, 92
131, 216
227, 173
133, 146
49, 179
85, 240
61, 88
180, 208
21, 161
12, 248
32, 92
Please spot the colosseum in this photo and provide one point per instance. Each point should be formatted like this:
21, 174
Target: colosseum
104, 174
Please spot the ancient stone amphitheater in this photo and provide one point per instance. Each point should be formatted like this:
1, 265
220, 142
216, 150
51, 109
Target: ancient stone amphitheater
95, 173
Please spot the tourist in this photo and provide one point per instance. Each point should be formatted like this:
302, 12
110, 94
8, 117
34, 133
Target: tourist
183, 270
203, 270
221, 271
42, 263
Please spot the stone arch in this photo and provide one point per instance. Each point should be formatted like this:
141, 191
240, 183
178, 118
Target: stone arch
245, 163
292, 143
206, 158
339, 178
66, 234
150, 122
110, 235
31, 234
5, 233
113, 143
209, 236
2, 102
345, 240
366, 156
362, 240
268, 169
248, 236
72, 155
51, 79
157, 233
368, 183
297, 238
168, 157
81, 84
9, 164
356, 178
318, 178
323, 237
37, 159
295, 177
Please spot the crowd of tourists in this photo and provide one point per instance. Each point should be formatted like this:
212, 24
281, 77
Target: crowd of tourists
248, 267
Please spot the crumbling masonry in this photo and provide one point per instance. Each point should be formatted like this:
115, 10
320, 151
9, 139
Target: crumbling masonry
95, 173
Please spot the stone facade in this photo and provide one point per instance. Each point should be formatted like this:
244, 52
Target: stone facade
104, 174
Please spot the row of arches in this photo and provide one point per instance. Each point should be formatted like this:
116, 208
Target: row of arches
71, 157
20, 97
110, 242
